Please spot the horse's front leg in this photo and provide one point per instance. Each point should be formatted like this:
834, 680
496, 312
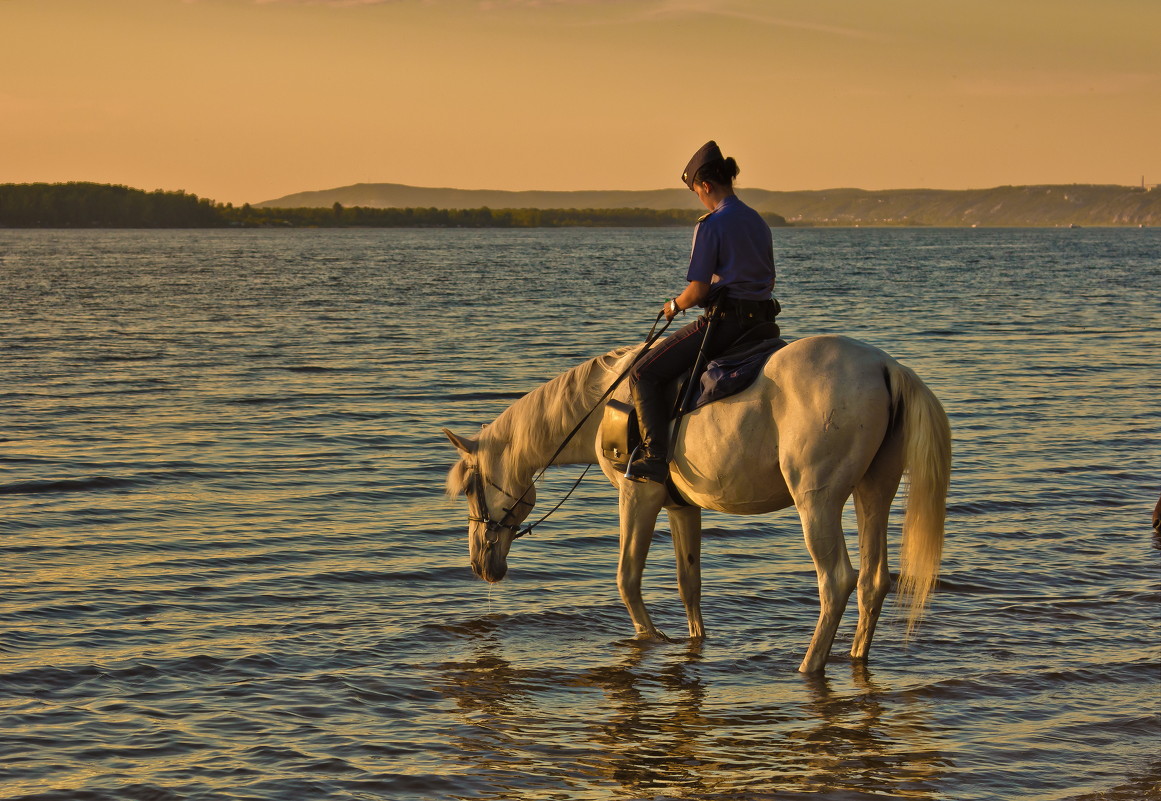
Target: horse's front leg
685, 526
640, 503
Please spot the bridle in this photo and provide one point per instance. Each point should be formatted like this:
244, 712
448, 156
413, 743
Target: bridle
492, 528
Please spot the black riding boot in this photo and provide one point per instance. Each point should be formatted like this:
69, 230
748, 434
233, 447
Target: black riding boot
652, 462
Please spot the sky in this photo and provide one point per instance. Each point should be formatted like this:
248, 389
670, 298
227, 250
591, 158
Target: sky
248, 100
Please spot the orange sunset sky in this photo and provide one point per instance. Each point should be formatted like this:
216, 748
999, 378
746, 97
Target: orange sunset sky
247, 100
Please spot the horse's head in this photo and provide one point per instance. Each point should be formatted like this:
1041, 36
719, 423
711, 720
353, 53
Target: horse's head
495, 510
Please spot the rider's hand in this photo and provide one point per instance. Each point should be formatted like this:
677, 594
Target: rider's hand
691, 296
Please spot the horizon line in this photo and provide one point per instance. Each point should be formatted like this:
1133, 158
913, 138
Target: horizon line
1142, 185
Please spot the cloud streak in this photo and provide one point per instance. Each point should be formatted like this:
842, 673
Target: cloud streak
641, 11
485, 5
680, 9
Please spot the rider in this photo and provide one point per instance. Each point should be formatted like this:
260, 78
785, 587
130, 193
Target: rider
731, 275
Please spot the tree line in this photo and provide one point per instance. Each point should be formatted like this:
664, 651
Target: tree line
87, 205
92, 205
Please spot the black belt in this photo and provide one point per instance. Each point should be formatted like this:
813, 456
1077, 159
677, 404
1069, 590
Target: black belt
748, 309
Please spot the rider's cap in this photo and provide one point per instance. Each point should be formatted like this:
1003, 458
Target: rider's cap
708, 154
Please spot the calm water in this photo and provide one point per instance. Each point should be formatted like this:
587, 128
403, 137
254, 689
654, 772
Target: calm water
229, 571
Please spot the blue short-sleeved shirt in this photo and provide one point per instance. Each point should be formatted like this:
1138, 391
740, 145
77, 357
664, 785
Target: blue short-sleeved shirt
734, 250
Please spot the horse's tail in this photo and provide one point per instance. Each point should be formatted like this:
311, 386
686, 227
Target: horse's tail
927, 461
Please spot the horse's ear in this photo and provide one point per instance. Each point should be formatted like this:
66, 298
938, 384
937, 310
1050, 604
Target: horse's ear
464, 446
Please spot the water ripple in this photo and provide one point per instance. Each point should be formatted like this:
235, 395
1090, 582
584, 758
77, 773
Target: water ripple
230, 571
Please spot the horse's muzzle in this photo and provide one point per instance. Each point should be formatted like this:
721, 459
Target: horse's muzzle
491, 568
490, 561
493, 574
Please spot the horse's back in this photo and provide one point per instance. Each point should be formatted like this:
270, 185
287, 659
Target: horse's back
822, 405
826, 361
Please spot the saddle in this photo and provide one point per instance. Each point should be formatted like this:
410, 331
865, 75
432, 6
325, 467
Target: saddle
732, 371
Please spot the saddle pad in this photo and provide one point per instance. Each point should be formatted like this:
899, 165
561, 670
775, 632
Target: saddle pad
735, 370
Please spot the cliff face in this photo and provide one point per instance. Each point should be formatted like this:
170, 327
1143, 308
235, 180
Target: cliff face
1061, 205
1002, 206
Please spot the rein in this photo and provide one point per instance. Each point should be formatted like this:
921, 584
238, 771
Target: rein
492, 526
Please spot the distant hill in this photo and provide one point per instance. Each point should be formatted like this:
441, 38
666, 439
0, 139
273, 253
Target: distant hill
1059, 205
1002, 206
389, 196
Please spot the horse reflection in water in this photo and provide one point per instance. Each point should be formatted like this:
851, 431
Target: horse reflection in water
828, 418
663, 722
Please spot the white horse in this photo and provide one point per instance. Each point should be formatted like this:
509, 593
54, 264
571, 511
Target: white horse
828, 418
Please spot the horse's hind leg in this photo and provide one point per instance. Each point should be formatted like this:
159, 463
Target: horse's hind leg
873, 496
685, 526
821, 517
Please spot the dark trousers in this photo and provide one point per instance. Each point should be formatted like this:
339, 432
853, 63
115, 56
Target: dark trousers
667, 361
676, 354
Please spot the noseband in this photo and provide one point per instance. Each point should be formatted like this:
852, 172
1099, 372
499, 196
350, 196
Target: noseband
492, 528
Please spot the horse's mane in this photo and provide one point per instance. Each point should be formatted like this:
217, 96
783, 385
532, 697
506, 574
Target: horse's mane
535, 425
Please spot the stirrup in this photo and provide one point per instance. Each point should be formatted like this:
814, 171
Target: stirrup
629, 463
657, 472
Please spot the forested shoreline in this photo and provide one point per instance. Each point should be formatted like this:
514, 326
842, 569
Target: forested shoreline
91, 205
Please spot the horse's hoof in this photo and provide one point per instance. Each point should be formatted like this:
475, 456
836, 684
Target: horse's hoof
812, 669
